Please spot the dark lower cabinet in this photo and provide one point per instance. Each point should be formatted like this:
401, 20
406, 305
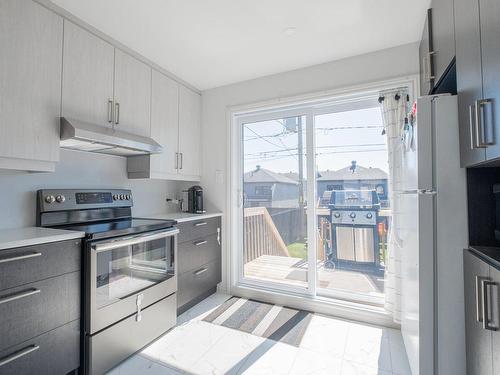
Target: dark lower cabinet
495, 311
53, 353
199, 261
32, 309
478, 340
40, 294
482, 321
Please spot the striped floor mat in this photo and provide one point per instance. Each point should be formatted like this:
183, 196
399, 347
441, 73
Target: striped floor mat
262, 319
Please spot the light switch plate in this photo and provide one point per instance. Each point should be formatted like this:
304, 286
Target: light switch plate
219, 177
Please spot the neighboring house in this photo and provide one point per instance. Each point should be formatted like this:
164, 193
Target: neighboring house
355, 177
264, 188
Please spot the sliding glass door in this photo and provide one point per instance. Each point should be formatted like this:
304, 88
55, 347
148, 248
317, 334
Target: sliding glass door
313, 205
274, 202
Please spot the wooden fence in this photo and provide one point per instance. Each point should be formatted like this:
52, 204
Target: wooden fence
261, 236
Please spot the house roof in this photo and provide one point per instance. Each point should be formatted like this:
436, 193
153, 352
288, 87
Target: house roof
360, 173
265, 175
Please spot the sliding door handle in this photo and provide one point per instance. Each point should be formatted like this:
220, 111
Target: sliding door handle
199, 243
485, 284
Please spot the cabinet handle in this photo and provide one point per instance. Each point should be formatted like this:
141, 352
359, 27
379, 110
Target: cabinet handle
182, 160
199, 272
485, 284
110, 111
19, 295
18, 354
479, 303
472, 128
199, 243
218, 236
176, 160
117, 113
200, 224
19, 257
480, 125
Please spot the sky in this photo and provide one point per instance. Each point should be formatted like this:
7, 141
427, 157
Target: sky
340, 138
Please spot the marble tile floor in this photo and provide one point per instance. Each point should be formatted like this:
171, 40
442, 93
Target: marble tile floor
329, 346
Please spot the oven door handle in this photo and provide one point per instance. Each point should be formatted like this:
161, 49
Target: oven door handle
128, 241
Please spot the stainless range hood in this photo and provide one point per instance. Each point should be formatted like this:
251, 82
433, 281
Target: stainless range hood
83, 136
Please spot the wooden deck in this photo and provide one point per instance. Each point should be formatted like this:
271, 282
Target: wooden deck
293, 271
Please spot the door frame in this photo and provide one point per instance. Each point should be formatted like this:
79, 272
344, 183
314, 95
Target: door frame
310, 301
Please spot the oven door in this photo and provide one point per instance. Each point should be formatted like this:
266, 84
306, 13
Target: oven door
127, 274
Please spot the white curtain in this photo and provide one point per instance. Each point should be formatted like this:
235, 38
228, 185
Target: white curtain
393, 113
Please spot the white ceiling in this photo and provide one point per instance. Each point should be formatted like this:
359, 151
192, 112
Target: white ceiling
211, 43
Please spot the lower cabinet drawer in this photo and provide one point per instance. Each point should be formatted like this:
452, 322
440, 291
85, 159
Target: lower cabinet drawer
193, 254
112, 345
32, 309
54, 353
24, 265
191, 230
194, 283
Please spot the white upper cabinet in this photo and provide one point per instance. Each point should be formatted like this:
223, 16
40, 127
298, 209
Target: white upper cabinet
164, 124
132, 95
175, 124
189, 133
88, 65
30, 85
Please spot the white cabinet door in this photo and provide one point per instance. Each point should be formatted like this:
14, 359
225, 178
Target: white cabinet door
30, 85
164, 124
88, 64
189, 134
132, 95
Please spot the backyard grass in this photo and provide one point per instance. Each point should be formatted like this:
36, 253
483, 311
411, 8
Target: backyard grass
297, 250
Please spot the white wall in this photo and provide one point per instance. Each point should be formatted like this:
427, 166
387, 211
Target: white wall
378, 66
80, 170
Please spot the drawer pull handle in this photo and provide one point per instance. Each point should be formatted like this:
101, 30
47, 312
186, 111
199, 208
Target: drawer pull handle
485, 305
15, 296
18, 354
200, 224
198, 243
20, 257
199, 272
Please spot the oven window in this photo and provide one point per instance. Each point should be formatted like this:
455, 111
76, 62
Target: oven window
127, 270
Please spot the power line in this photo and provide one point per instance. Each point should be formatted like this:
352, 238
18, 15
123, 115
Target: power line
270, 158
317, 147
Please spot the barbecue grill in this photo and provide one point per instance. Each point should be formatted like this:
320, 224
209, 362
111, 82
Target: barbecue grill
354, 215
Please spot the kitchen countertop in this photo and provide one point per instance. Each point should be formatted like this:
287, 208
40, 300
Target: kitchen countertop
490, 255
19, 237
183, 217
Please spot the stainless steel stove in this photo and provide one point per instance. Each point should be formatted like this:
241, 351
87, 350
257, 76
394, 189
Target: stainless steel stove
130, 272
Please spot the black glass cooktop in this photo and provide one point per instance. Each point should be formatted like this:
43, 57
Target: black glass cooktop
113, 228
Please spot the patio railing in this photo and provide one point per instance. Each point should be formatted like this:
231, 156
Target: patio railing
261, 235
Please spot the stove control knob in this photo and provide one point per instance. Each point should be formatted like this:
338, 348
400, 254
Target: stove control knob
369, 215
115, 197
122, 197
128, 197
60, 198
352, 215
336, 215
50, 199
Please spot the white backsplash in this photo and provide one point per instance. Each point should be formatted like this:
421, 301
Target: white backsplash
81, 170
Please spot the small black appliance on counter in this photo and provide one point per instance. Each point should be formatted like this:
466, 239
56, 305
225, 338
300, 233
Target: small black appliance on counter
195, 200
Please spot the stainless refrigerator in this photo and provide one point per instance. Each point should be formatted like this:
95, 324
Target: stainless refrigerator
431, 229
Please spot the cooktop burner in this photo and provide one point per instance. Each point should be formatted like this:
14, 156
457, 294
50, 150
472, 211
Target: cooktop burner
113, 228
